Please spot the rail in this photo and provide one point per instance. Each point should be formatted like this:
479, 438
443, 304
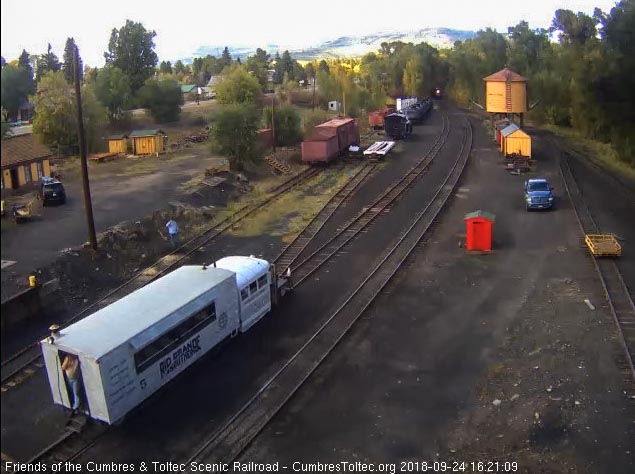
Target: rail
291, 252
21, 365
229, 442
324, 253
620, 302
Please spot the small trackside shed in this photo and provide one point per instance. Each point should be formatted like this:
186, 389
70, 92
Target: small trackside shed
515, 141
131, 348
147, 142
118, 143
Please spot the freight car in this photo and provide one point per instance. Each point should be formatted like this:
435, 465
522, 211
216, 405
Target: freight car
376, 119
330, 139
416, 113
133, 347
397, 125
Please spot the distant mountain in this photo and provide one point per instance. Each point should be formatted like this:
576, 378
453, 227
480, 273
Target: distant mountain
346, 46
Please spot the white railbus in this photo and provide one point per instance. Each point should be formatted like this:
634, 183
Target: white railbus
131, 348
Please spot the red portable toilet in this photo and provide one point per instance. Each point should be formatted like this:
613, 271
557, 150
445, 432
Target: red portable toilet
479, 230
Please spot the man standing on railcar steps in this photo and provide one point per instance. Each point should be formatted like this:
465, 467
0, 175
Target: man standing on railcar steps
70, 366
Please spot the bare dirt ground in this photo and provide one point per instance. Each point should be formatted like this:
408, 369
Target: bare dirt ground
475, 358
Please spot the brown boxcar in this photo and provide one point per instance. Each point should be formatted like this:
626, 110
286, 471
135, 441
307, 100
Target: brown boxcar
329, 139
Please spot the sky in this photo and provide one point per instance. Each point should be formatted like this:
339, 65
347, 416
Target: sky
182, 28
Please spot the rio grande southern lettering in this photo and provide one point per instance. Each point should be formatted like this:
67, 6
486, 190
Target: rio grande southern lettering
180, 356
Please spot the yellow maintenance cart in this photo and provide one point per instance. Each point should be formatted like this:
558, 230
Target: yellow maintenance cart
603, 245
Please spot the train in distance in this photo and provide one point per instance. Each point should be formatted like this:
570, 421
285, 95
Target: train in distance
134, 346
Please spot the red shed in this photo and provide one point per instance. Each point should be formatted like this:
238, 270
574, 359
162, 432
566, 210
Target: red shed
478, 226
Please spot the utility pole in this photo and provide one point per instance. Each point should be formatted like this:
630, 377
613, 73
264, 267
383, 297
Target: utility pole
314, 78
273, 121
88, 205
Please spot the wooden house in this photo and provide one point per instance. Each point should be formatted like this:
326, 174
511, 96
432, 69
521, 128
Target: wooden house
24, 160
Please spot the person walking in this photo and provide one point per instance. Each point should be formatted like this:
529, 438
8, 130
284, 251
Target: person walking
70, 366
173, 232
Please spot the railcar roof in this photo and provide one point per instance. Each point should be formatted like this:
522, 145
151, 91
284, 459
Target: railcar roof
143, 315
247, 269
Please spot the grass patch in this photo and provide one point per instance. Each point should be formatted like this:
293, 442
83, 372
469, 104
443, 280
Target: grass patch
295, 208
601, 154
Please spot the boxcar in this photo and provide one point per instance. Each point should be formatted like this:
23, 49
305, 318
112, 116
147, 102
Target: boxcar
131, 348
330, 139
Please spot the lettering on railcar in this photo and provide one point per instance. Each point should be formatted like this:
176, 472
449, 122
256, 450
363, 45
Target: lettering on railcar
180, 356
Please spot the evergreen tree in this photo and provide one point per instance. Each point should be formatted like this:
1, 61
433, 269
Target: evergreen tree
47, 62
24, 63
68, 66
226, 58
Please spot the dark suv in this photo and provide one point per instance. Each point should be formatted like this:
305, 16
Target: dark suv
52, 191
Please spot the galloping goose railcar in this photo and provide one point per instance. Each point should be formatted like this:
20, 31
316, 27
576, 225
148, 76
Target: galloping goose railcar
131, 348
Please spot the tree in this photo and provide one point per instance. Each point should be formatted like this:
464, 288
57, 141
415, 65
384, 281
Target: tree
225, 59
24, 63
131, 49
179, 67
287, 125
112, 88
165, 67
45, 63
55, 123
235, 133
237, 86
163, 99
323, 66
4, 130
15, 89
68, 65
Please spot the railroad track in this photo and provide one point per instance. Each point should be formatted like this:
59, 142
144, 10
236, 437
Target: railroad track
291, 252
382, 204
79, 436
226, 444
24, 363
615, 290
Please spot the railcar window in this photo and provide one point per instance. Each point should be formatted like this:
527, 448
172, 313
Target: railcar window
154, 351
244, 294
262, 281
253, 287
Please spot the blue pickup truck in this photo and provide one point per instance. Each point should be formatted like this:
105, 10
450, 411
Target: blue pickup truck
538, 194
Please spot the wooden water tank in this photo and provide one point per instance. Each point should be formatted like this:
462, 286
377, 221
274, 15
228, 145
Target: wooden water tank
506, 92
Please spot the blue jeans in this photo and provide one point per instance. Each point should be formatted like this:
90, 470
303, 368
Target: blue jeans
75, 387
174, 239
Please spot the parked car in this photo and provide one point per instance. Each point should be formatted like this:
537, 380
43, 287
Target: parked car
538, 194
52, 191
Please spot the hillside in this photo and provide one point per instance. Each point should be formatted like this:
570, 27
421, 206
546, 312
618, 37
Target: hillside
346, 46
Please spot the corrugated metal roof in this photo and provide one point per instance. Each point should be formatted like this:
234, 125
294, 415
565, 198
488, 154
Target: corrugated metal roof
505, 75
143, 314
147, 133
484, 214
118, 136
518, 132
186, 88
22, 148
511, 128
